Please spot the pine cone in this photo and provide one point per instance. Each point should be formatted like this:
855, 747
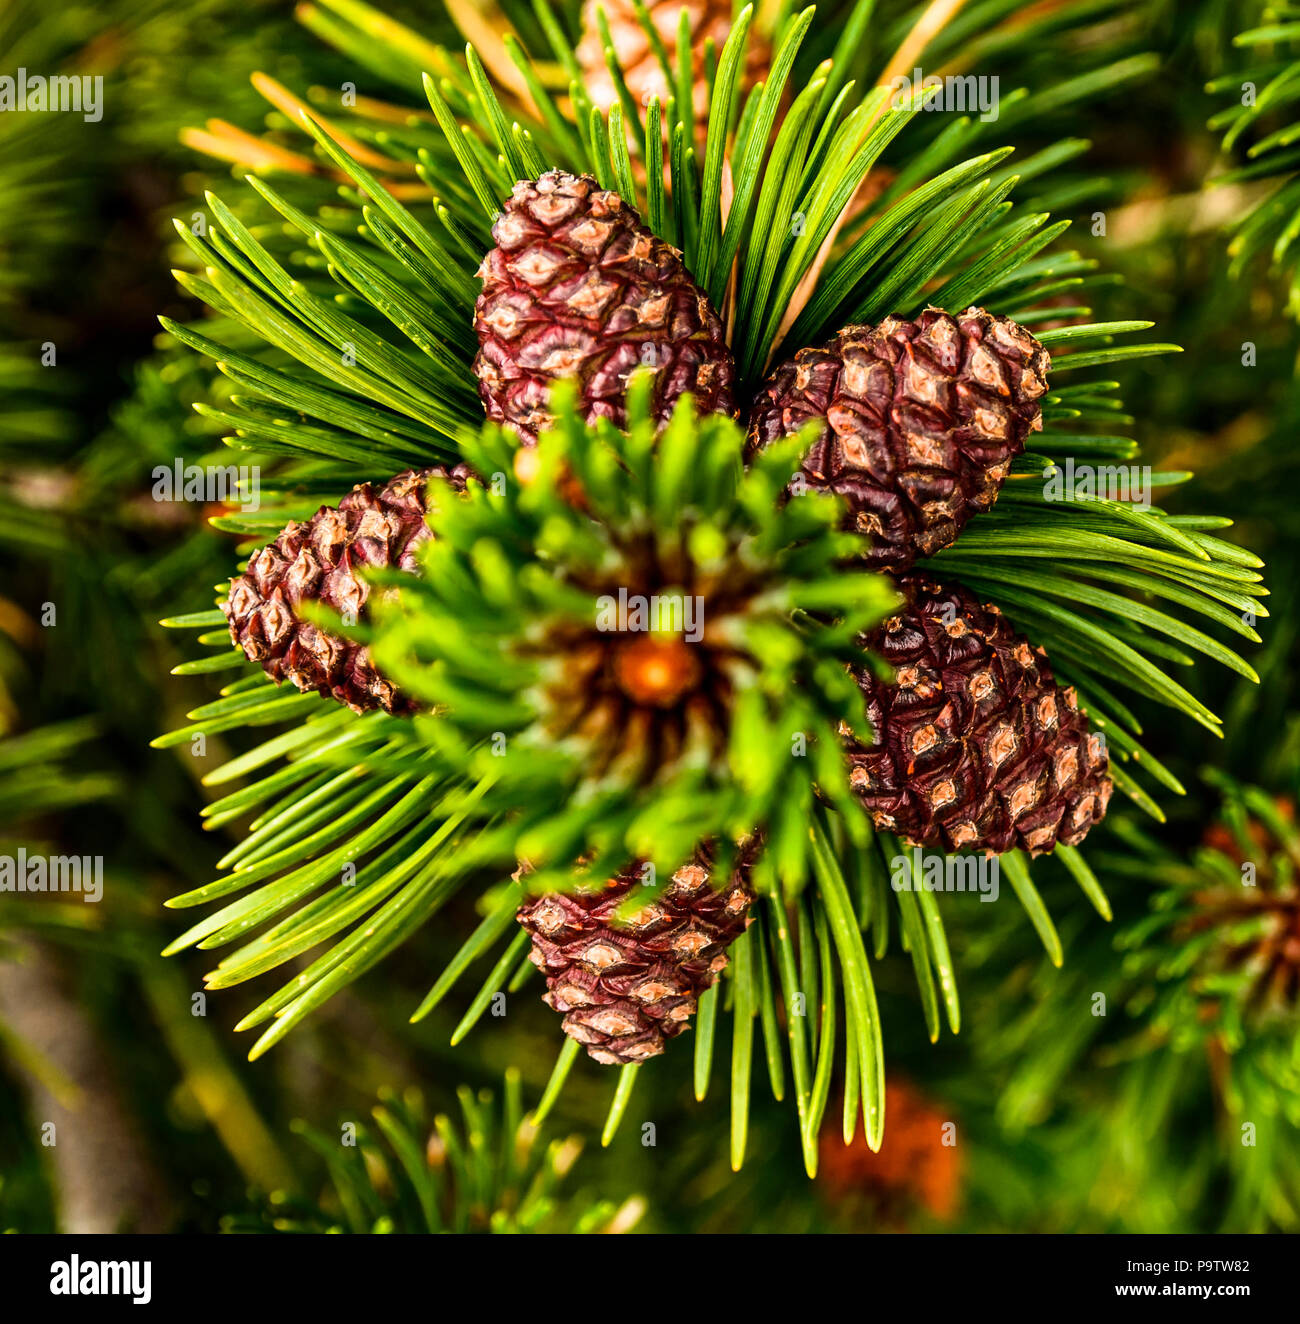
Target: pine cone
914, 1170
709, 20
625, 988
976, 747
318, 561
922, 421
578, 287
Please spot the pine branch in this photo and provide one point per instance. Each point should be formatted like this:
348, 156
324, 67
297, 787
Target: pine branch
1264, 127
1195, 1015
350, 361
487, 1170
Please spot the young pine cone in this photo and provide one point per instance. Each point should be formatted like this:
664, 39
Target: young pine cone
578, 288
920, 422
626, 987
320, 560
976, 747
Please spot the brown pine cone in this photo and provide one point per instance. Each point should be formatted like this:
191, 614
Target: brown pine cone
914, 1170
976, 747
920, 422
319, 561
709, 20
578, 288
626, 987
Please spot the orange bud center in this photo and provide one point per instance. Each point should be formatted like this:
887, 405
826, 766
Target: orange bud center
527, 463
656, 672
